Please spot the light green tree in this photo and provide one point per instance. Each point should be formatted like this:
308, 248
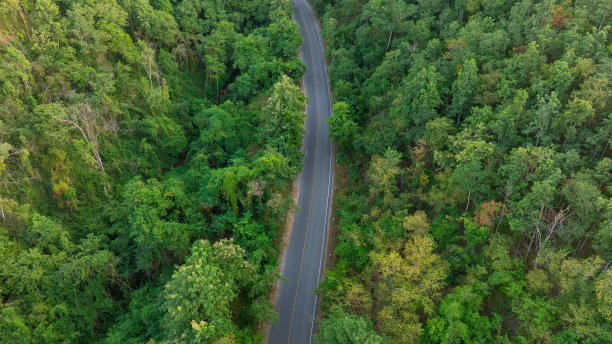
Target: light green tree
199, 296
283, 119
383, 173
343, 328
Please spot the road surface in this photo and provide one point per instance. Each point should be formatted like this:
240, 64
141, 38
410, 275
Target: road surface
304, 257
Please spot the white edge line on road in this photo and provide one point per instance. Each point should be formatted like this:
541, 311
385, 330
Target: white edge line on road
329, 187
322, 51
322, 247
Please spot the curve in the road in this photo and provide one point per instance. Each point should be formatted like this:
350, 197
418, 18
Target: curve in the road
304, 256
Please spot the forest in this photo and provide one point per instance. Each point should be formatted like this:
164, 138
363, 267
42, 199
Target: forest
147, 150
474, 194
148, 147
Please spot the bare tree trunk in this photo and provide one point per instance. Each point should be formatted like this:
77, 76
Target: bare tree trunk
605, 149
389, 40
539, 245
149, 60
551, 229
83, 122
601, 24
585, 237
582, 243
503, 210
2, 210
25, 24
530, 244
536, 233
98, 160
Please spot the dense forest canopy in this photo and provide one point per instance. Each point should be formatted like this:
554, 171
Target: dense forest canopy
143, 175
475, 138
147, 150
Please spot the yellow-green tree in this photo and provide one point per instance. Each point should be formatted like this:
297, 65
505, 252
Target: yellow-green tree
408, 283
383, 173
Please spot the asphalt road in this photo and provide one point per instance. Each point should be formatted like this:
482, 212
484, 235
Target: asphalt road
304, 256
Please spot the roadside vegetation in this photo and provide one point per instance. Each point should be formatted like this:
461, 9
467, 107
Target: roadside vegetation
477, 138
147, 150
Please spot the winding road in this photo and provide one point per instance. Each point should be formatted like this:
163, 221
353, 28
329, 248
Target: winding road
303, 264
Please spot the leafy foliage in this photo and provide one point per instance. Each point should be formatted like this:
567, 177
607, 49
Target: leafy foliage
130, 130
487, 121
